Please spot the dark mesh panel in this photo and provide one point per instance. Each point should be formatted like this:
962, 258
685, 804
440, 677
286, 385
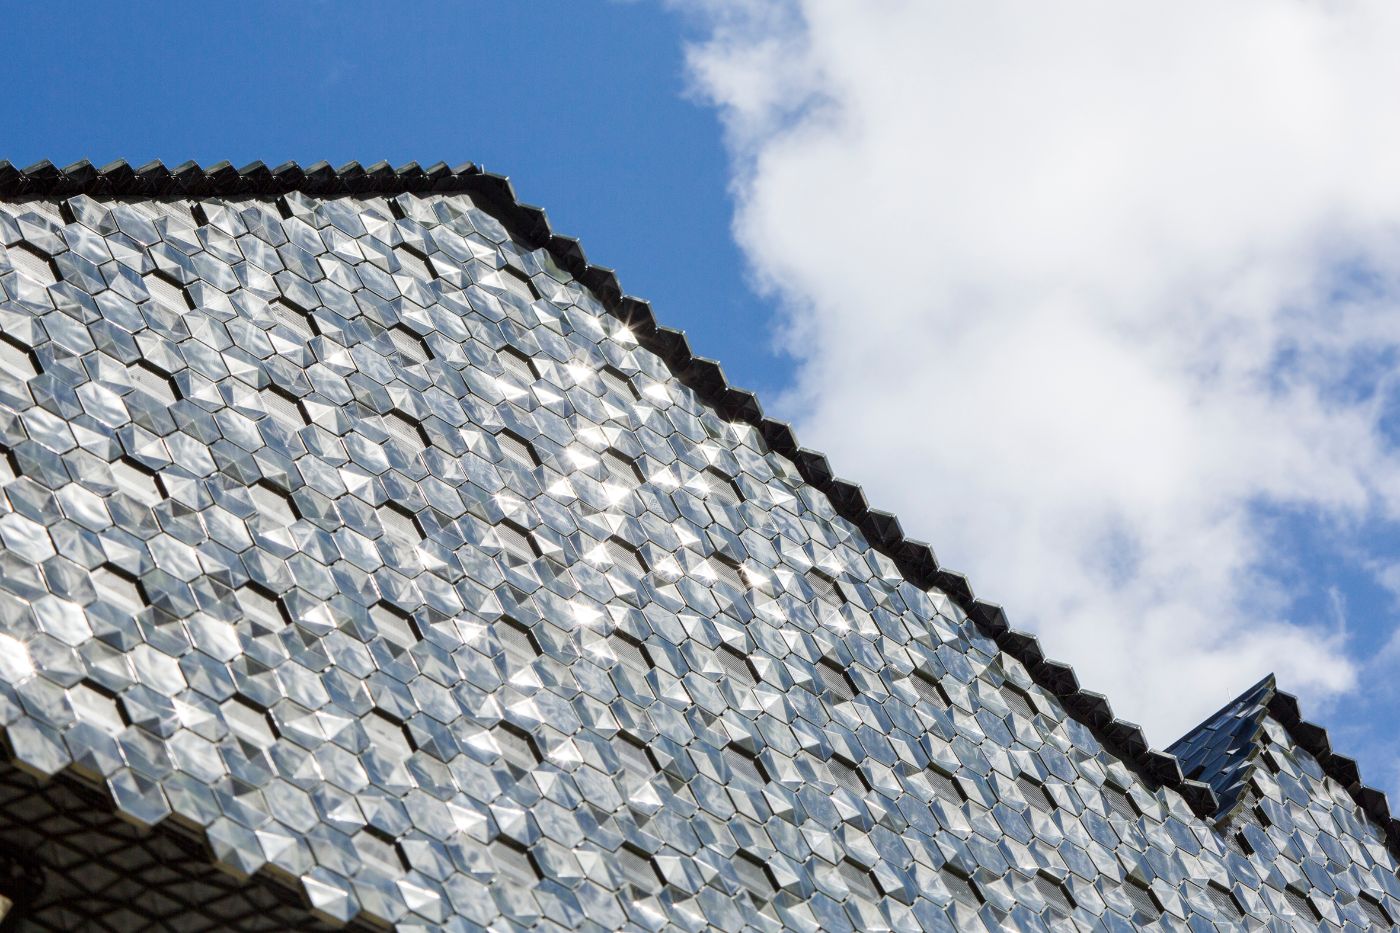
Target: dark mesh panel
81, 868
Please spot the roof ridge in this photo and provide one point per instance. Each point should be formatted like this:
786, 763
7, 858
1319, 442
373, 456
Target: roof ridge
189, 179
915, 559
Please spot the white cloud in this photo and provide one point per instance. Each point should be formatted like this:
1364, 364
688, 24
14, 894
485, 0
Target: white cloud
1075, 288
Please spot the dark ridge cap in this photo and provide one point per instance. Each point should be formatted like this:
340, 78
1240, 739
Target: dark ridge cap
222, 180
494, 194
1313, 739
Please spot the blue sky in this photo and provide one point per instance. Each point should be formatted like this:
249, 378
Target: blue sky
836, 143
581, 104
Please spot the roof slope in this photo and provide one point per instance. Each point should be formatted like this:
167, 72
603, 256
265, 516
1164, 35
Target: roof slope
529, 225
378, 452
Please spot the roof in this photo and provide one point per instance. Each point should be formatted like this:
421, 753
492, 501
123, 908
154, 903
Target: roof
196, 286
528, 223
